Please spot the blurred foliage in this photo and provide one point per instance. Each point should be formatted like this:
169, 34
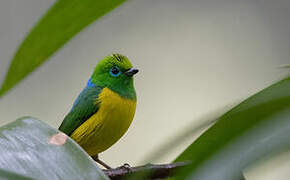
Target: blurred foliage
25, 150
268, 109
60, 23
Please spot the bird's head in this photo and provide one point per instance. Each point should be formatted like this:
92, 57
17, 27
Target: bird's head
115, 72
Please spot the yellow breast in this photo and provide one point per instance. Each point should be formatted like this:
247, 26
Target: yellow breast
108, 125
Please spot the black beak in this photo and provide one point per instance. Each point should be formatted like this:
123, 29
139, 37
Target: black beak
131, 71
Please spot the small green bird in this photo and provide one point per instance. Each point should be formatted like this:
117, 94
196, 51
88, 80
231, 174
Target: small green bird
105, 108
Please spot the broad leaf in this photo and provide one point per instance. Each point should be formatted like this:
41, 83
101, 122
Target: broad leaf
257, 127
25, 150
62, 21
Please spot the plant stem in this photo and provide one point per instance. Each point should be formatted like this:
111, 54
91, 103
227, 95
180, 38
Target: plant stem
153, 171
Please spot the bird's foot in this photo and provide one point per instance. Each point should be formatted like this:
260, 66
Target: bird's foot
127, 167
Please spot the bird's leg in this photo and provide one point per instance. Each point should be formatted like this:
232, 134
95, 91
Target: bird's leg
127, 167
96, 158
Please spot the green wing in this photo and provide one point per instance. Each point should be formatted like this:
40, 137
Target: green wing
83, 108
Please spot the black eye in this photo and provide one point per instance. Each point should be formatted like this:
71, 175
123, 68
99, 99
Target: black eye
115, 71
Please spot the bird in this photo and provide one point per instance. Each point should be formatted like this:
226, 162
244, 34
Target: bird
105, 108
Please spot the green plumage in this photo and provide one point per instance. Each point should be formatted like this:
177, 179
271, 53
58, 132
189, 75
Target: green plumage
87, 104
84, 107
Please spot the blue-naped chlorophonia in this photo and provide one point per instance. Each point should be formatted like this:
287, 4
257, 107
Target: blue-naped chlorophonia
105, 108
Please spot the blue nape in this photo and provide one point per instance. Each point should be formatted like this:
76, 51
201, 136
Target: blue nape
90, 83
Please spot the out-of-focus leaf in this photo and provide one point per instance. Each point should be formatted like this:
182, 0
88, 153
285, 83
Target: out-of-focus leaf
257, 127
24, 149
61, 22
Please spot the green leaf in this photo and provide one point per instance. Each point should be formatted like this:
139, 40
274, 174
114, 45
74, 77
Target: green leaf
257, 127
25, 150
62, 21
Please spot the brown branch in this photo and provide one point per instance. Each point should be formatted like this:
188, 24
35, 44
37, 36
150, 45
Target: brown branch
153, 170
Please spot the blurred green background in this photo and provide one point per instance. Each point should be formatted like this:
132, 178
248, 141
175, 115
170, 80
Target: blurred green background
196, 60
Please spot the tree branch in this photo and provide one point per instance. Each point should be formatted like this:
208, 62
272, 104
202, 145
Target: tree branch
153, 170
